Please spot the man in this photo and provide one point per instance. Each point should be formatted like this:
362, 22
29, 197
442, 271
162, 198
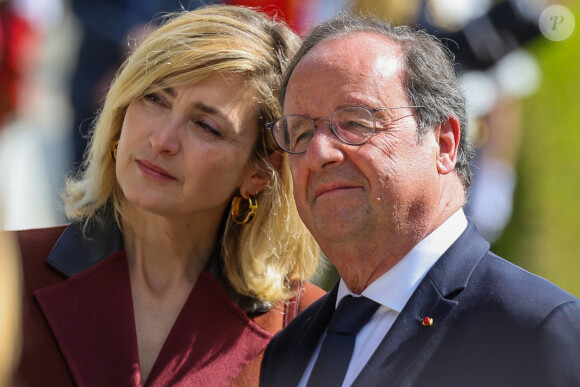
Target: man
376, 126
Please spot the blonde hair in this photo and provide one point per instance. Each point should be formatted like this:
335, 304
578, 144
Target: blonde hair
261, 259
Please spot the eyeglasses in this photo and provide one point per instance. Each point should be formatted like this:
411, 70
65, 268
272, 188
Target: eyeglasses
353, 125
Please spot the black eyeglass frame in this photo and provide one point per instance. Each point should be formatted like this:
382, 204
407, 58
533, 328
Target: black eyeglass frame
271, 125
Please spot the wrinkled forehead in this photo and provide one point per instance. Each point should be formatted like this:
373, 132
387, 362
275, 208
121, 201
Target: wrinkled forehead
362, 63
361, 50
362, 56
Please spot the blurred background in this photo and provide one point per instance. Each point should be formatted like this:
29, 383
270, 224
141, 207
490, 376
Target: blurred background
517, 61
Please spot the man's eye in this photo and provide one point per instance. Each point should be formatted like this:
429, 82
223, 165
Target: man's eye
356, 125
303, 137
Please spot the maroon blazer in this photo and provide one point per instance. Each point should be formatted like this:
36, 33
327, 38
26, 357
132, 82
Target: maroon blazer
79, 324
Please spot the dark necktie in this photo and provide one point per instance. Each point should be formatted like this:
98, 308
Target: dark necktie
336, 350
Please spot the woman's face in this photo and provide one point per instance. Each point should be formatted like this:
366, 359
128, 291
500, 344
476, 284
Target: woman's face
186, 150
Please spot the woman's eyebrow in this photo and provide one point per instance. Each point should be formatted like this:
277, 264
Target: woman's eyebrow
169, 90
220, 114
207, 109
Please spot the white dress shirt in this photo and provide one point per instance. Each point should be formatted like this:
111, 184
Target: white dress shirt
392, 290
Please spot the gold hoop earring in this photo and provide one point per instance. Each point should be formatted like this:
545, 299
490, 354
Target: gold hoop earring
252, 210
113, 151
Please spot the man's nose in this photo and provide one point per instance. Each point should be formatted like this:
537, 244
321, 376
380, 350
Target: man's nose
325, 148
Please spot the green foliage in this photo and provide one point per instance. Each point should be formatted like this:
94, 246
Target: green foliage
543, 235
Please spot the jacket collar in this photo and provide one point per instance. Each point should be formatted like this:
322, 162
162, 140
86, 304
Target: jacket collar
307, 340
409, 344
103, 237
91, 317
451, 273
78, 250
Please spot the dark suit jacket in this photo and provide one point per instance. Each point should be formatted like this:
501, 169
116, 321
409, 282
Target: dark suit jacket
79, 324
494, 325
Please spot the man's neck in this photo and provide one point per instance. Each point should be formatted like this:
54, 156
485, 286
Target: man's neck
394, 287
361, 262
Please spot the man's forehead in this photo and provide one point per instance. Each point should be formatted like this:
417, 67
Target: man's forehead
360, 61
361, 50
359, 44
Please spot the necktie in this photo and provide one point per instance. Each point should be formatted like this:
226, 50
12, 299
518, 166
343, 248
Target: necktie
336, 350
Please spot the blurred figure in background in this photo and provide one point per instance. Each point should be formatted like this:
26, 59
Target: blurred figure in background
14, 33
23, 24
300, 15
33, 111
488, 40
10, 309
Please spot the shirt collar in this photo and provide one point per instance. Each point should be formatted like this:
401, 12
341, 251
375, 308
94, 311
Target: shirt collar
394, 288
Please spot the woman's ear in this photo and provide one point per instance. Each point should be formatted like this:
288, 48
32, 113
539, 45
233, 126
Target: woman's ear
447, 135
255, 183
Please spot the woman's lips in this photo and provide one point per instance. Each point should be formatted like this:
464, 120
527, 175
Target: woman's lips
154, 171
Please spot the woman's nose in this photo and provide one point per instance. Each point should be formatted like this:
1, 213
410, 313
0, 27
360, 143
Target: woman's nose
166, 138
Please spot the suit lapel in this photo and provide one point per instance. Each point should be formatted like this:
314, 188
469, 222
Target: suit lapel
409, 344
407, 337
307, 342
91, 316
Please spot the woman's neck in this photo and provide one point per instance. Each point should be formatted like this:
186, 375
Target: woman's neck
166, 252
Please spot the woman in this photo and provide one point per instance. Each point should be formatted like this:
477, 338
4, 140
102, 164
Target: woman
185, 253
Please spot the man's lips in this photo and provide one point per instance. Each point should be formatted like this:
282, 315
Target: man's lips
331, 188
154, 171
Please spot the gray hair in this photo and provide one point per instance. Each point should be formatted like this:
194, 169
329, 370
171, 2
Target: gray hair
430, 79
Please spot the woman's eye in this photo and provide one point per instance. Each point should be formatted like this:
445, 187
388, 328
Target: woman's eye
154, 98
208, 128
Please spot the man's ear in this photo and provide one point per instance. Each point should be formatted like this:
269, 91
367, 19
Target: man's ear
447, 135
276, 158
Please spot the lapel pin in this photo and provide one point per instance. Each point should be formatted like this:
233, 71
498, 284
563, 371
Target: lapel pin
427, 322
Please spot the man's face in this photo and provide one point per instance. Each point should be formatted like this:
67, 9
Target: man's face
386, 188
